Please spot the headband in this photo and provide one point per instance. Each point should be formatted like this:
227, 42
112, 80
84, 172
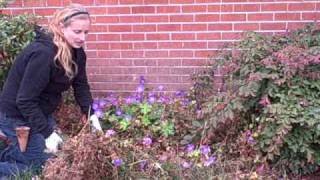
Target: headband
74, 14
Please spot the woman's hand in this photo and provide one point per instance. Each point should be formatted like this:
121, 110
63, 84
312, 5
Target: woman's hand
84, 119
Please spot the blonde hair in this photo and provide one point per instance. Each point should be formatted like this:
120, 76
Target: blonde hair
64, 54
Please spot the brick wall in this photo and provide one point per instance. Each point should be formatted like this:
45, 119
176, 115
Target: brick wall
167, 40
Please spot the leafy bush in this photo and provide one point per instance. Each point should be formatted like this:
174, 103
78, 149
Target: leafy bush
15, 33
271, 86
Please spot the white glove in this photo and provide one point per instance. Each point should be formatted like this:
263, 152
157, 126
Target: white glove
53, 142
95, 124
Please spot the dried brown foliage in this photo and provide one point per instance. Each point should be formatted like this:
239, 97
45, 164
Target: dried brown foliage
85, 156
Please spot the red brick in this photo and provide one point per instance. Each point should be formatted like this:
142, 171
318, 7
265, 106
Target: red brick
181, 18
169, 45
311, 16
120, 45
120, 62
32, 3
246, 7
136, 70
301, 6
234, 0
144, 28
169, 62
108, 37
260, 17
246, 27
220, 27
180, 53
194, 27
118, 10
145, 45
156, 19
131, 19
156, 53
83, 2
54, 3
168, 9
120, 28
132, 37
143, 9
194, 8
296, 25
156, 1
195, 45
227, 8
106, 2
214, 8
45, 12
145, 62
5, 11
99, 28
131, 2
132, 54
230, 36
194, 62
205, 53
91, 37
183, 36
108, 54
287, 16
209, 36
233, 17
207, 17
157, 36
273, 26
98, 45
274, 7
21, 11
181, 1
182, 70
97, 10
106, 19
158, 70
169, 27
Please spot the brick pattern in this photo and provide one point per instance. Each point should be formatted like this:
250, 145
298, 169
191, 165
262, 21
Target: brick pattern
167, 40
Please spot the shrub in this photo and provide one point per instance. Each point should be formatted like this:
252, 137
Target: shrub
271, 86
16, 33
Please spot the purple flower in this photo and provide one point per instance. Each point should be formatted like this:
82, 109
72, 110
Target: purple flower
204, 149
250, 140
117, 162
210, 161
102, 103
147, 141
152, 99
142, 80
129, 100
95, 106
98, 113
128, 117
140, 88
110, 132
190, 148
186, 164
143, 165
160, 88
118, 112
180, 93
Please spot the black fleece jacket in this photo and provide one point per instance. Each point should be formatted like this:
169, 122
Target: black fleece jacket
35, 82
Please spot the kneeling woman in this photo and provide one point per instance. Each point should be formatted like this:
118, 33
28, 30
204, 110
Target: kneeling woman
41, 72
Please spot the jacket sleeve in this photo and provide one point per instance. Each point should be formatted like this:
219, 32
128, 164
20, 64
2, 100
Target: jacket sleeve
35, 78
80, 85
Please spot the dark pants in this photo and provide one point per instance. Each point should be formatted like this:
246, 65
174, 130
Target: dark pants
12, 160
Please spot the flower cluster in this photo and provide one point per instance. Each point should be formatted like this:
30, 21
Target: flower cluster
198, 156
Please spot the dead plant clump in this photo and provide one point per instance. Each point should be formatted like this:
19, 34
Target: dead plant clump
85, 156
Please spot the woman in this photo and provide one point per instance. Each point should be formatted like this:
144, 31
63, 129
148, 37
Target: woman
41, 72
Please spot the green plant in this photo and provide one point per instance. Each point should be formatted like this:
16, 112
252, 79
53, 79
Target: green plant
15, 33
271, 86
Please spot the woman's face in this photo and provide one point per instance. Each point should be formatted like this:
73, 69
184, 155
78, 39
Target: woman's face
75, 33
